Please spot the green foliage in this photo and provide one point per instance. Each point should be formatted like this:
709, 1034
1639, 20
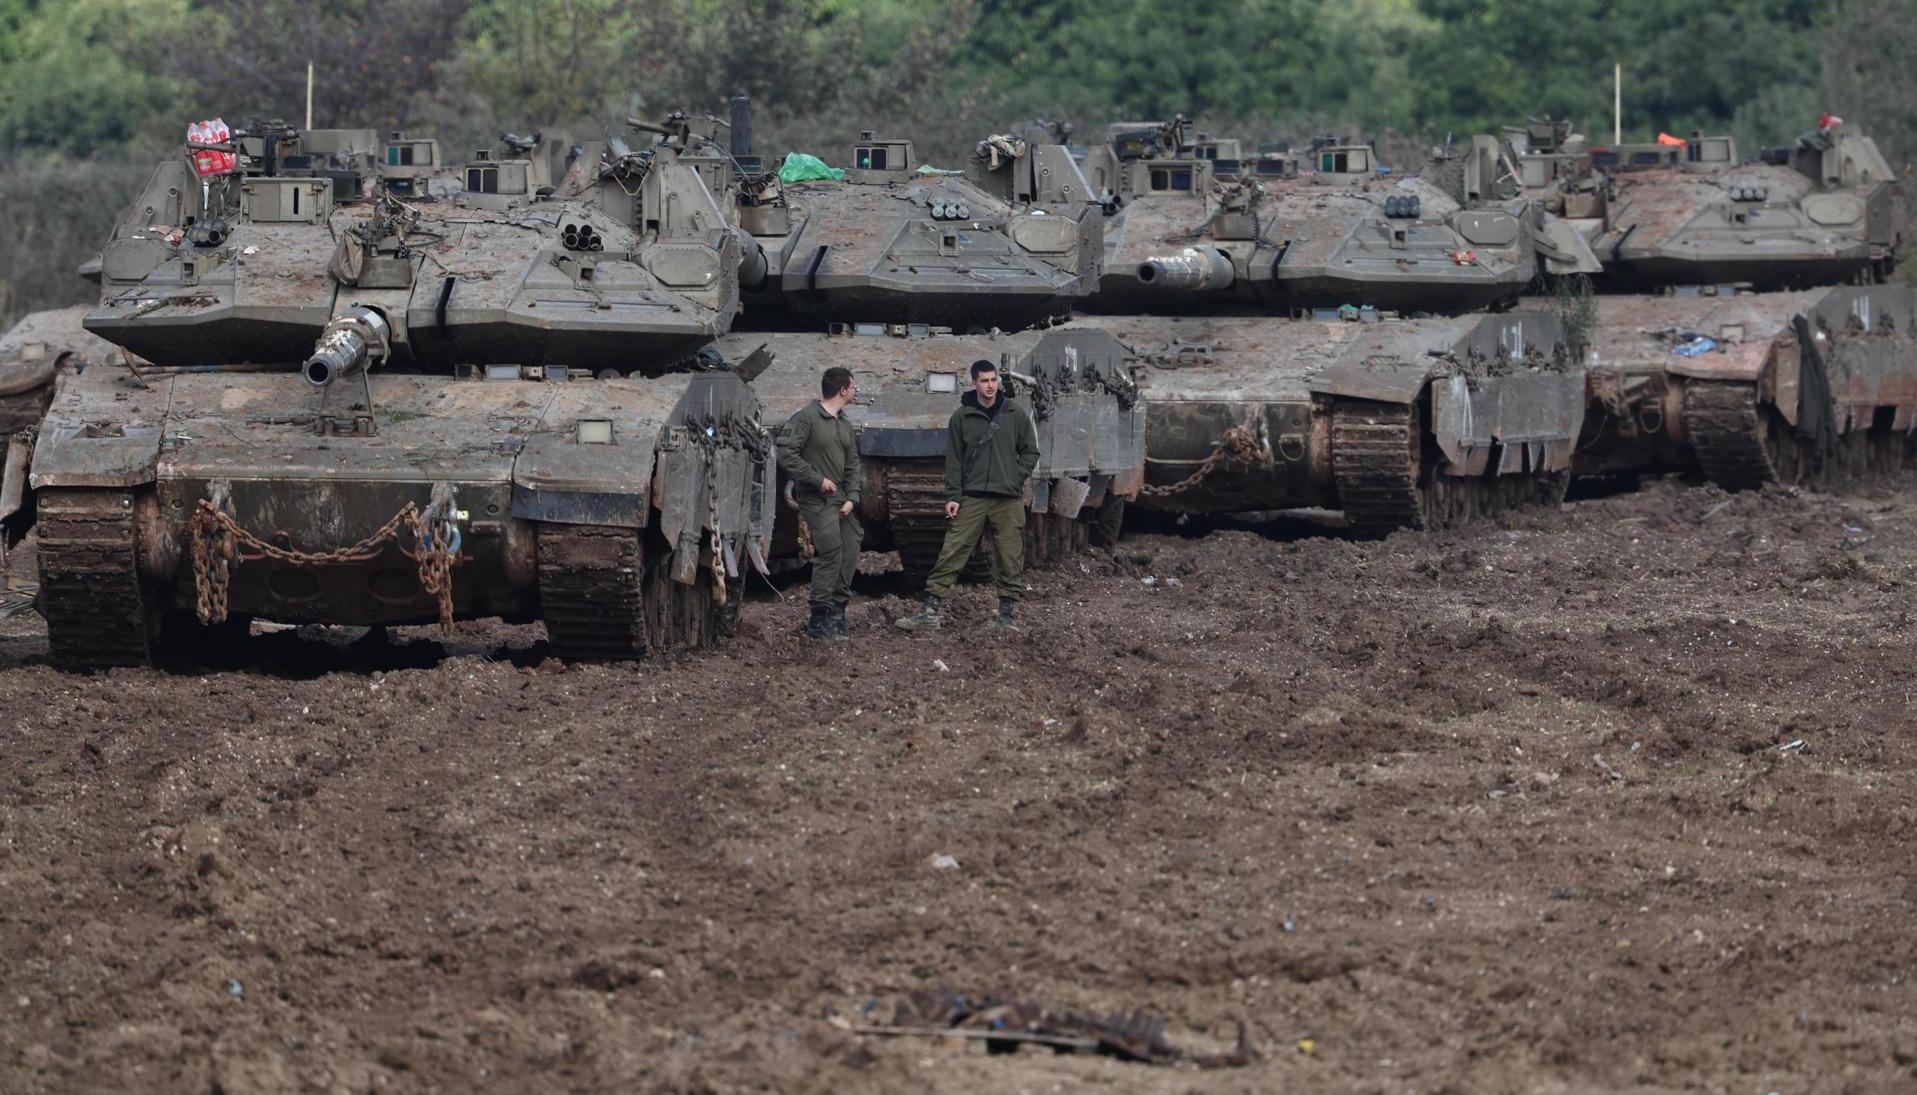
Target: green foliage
1870, 71
1097, 59
1574, 302
78, 74
54, 211
1745, 66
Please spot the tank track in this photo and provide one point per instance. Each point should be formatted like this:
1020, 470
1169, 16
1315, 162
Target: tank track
915, 508
1384, 485
1736, 444
90, 592
1375, 463
607, 594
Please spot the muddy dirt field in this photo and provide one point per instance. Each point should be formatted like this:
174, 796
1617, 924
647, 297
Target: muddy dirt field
1617, 799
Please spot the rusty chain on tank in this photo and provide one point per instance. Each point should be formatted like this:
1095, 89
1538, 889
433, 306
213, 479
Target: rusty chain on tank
1239, 443
718, 544
217, 538
806, 550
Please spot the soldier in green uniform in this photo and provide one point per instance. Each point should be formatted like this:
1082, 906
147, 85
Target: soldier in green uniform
819, 452
991, 448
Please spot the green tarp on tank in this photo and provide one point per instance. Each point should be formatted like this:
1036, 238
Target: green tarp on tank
799, 167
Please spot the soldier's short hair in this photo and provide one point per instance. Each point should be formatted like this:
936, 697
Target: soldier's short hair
834, 381
983, 366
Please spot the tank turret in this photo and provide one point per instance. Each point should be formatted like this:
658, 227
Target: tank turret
1199, 223
1822, 211
636, 269
1011, 241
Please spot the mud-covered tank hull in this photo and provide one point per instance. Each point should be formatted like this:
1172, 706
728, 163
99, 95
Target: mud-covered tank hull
1754, 389
34, 353
1399, 423
618, 511
1090, 425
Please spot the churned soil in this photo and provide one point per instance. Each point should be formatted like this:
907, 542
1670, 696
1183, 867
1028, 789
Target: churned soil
1622, 798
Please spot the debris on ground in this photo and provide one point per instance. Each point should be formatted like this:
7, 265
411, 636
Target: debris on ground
1005, 1024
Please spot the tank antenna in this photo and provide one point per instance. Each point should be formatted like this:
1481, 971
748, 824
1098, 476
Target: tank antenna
309, 95
1617, 103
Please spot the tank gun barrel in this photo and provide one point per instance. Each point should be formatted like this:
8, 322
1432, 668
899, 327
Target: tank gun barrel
346, 347
1194, 270
650, 127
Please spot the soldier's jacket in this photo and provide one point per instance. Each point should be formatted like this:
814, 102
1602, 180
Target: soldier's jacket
815, 446
1004, 465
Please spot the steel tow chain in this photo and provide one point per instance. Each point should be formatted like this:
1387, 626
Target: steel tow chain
712, 511
217, 539
806, 550
1239, 443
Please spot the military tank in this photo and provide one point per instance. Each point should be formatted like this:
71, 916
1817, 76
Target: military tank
1711, 346
1399, 423
1753, 389
1010, 242
907, 277
1198, 224
1077, 385
254, 264
1823, 211
388, 418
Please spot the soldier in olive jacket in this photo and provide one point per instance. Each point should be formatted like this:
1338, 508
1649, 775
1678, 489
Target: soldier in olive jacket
819, 452
991, 448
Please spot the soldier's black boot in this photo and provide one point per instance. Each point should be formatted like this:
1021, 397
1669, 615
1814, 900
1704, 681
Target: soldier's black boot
840, 631
1004, 617
925, 619
820, 625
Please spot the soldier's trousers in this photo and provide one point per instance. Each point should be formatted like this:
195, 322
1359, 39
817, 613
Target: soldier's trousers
835, 549
1006, 516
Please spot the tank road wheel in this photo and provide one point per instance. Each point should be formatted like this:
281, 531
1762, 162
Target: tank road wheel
1377, 463
1739, 444
98, 613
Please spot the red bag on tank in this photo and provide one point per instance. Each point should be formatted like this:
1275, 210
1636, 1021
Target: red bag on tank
207, 162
